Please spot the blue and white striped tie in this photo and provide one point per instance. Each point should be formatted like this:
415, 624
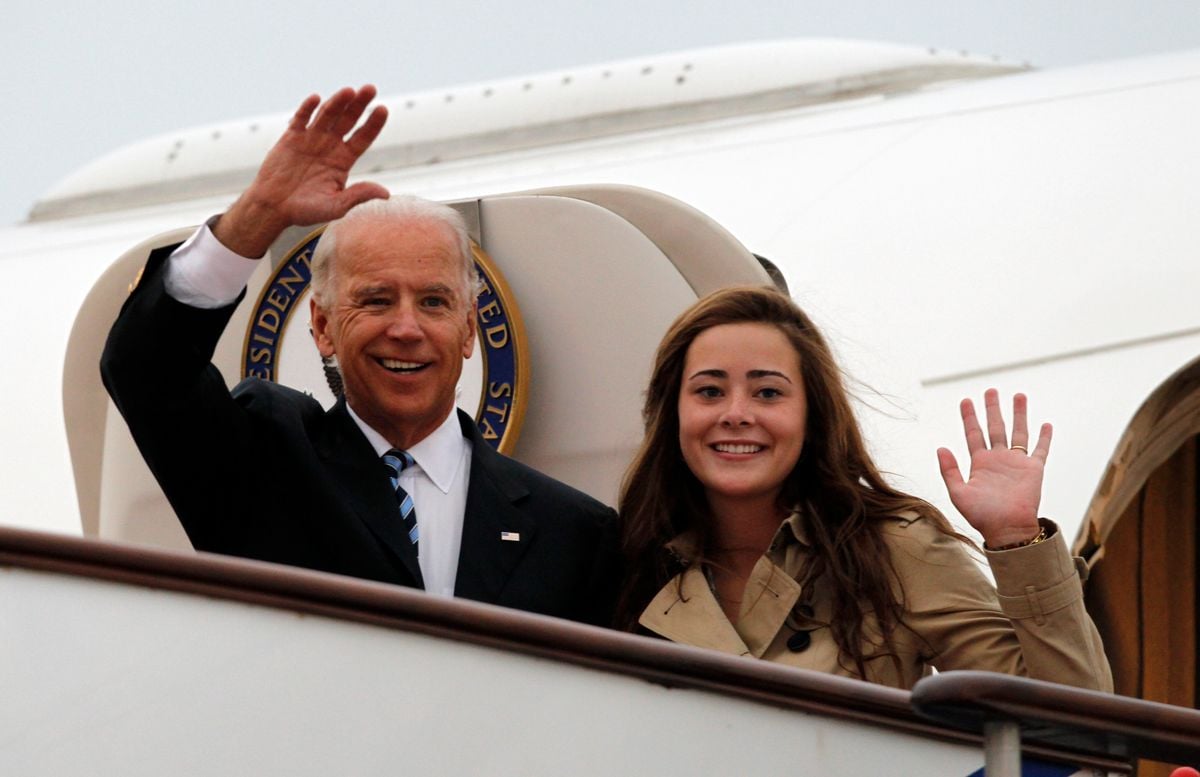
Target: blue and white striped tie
397, 460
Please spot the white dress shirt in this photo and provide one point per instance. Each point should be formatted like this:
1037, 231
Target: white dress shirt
437, 484
204, 273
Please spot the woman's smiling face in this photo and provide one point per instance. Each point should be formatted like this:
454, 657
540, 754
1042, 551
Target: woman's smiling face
742, 411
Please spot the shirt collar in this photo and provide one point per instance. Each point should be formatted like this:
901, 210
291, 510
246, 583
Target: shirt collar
438, 455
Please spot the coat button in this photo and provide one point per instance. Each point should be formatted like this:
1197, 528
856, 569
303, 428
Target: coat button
799, 642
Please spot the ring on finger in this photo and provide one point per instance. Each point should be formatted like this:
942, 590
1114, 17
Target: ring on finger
1020, 448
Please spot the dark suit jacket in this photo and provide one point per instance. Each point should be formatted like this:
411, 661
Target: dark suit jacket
265, 472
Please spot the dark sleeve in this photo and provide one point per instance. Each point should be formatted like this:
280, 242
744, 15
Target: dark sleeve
157, 367
605, 583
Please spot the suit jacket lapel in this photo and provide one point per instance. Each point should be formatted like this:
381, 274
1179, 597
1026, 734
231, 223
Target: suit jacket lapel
364, 480
496, 533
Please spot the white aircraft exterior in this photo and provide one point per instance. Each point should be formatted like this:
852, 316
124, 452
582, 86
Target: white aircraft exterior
952, 222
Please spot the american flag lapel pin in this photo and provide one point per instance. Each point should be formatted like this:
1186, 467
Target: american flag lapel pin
510, 536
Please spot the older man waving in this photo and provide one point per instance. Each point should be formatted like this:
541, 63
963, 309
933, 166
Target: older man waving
392, 483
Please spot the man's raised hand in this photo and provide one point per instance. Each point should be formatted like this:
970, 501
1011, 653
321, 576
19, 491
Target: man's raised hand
303, 178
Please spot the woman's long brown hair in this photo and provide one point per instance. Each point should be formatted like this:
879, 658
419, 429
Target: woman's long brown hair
841, 494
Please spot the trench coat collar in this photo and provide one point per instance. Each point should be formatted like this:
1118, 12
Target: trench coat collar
686, 610
685, 546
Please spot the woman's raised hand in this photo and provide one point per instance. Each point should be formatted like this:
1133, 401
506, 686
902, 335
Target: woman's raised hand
1000, 497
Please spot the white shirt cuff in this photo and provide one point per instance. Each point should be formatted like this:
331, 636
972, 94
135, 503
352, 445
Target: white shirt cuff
204, 273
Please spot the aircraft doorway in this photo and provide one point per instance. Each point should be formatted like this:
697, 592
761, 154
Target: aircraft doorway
1141, 540
1142, 593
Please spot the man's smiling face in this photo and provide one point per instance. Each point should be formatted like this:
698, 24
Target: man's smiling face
400, 322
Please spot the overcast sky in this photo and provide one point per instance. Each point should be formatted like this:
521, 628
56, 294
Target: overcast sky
83, 78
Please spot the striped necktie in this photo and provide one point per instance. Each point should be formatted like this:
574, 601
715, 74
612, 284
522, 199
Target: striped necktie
397, 461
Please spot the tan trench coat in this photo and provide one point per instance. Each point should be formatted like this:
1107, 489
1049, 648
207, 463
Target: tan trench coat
1032, 623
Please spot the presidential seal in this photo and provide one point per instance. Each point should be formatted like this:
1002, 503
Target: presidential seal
494, 385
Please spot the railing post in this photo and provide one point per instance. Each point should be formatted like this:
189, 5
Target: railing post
1001, 748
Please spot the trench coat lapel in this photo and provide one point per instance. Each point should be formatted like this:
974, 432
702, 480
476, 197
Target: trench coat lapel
770, 596
686, 611
363, 478
691, 614
486, 559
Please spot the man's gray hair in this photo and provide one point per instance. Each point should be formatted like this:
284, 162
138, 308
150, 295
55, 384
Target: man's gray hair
400, 207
